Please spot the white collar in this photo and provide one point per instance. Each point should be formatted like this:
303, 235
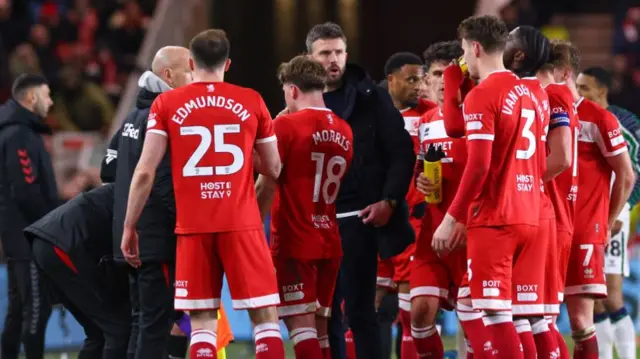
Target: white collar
315, 108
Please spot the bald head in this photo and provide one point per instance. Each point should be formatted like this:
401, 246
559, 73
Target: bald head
171, 64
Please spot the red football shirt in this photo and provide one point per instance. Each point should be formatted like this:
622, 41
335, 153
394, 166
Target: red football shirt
563, 189
542, 100
433, 133
411, 118
316, 147
212, 129
501, 109
600, 137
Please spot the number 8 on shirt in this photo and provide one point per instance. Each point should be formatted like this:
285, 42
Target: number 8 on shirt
316, 149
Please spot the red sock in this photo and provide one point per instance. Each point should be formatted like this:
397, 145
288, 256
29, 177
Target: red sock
523, 328
427, 341
478, 336
203, 344
324, 346
562, 345
408, 347
505, 338
351, 345
586, 344
305, 343
546, 345
268, 341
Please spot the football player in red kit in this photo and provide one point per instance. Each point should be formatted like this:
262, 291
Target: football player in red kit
434, 279
601, 151
316, 147
212, 129
527, 54
405, 73
499, 193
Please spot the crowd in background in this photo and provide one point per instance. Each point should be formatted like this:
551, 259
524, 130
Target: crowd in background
85, 48
626, 61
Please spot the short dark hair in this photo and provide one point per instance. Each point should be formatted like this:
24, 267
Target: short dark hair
326, 31
307, 74
489, 31
602, 76
565, 54
399, 59
445, 51
25, 82
536, 47
210, 48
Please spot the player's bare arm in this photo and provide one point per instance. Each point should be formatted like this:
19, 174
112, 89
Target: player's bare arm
265, 190
155, 146
450, 233
622, 186
268, 162
559, 158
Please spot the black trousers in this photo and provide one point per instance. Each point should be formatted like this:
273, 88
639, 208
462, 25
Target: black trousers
151, 290
96, 295
357, 285
387, 315
28, 312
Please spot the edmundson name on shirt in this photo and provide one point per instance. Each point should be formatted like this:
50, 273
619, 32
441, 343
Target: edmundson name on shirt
210, 101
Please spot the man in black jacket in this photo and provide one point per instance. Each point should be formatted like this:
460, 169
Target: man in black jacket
27, 192
372, 213
152, 282
72, 247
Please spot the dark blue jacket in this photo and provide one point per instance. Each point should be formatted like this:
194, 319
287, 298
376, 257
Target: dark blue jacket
28, 188
383, 159
157, 222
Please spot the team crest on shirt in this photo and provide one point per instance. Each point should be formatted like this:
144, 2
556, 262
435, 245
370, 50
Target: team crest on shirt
330, 118
211, 88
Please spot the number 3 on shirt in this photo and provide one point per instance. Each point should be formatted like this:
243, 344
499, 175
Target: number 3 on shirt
330, 178
190, 168
529, 116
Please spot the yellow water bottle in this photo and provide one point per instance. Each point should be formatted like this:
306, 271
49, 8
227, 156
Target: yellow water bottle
433, 172
463, 65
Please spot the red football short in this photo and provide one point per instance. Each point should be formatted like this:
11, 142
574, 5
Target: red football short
385, 274
585, 272
395, 269
498, 258
551, 283
563, 241
433, 276
306, 286
439, 277
203, 259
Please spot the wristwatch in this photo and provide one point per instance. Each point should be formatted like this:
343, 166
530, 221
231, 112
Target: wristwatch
392, 202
